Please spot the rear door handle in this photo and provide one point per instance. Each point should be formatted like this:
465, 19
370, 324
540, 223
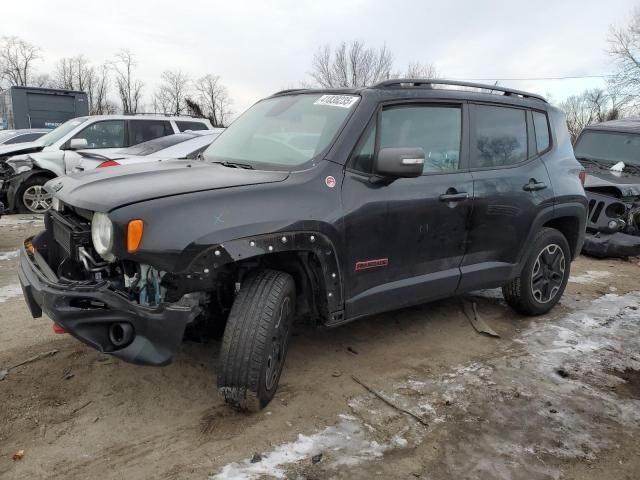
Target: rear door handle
454, 197
534, 186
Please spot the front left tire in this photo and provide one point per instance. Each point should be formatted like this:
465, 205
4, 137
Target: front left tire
255, 341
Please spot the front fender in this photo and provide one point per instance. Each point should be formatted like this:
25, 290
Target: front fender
216, 256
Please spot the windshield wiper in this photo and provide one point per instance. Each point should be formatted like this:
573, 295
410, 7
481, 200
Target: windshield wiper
592, 161
246, 166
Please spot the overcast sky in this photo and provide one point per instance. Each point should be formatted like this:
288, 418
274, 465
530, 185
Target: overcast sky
263, 46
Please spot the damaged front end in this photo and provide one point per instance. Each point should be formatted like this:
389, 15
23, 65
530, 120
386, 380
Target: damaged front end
613, 223
117, 307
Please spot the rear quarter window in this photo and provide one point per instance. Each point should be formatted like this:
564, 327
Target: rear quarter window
541, 126
182, 126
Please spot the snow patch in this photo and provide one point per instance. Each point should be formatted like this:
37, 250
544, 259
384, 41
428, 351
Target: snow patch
10, 291
590, 277
9, 255
14, 221
344, 444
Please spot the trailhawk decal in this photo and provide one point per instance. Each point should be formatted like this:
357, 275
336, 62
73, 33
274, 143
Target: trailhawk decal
367, 264
343, 101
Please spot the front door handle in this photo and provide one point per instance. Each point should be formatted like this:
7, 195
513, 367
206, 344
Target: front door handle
534, 186
454, 197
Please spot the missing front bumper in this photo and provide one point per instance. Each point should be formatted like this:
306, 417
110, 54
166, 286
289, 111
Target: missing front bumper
88, 312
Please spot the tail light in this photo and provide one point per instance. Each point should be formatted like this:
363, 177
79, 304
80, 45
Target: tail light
57, 328
583, 177
108, 163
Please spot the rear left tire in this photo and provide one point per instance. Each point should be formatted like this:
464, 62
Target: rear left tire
544, 276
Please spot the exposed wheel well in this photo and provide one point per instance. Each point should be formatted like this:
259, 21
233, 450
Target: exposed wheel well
570, 228
306, 270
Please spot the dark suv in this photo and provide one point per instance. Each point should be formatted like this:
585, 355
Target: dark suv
329, 205
610, 153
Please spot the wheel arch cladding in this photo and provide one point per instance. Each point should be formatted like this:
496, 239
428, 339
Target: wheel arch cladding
268, 247
569, 226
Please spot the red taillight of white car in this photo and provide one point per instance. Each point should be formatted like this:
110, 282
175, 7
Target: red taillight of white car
108, 163
583, 177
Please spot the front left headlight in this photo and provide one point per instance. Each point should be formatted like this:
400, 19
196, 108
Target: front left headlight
102, 235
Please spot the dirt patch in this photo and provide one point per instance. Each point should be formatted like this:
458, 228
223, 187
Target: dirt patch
80, 412
630, 388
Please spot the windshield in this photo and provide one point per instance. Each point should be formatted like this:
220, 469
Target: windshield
157, 144
285, 131
609, 146
57, 133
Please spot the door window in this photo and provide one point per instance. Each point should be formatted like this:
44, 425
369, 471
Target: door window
498, 136
106, 134
145, 130
437, 130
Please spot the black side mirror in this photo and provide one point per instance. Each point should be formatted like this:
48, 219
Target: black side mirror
399, 162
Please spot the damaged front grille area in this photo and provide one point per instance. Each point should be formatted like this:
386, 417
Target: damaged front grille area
70, 233
613, 226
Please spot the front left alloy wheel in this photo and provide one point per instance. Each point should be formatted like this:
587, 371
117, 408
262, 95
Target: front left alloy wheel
32, 197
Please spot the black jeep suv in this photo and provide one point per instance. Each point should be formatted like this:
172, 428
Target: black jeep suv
332, 205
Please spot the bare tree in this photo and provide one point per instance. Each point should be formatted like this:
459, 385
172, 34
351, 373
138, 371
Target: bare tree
421, 70
97, 91
76, 73
172, 92
591, 106
351, 65
17, 58
624, 47
129, 89
214, 100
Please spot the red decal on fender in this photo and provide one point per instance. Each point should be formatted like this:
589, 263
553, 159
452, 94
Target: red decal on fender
367, 264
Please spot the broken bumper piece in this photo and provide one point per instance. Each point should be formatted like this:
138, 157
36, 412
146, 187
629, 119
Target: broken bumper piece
101, 317
607, 245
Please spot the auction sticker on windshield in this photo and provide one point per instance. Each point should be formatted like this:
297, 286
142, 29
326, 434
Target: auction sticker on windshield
344, 101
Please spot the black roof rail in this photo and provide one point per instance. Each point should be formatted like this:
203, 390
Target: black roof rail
430, 82
290, 90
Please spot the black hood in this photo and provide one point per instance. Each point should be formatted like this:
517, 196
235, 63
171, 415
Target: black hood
627, 184
105, 189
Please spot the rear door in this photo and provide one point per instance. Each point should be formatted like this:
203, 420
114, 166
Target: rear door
144, 130
511, 186
405, 240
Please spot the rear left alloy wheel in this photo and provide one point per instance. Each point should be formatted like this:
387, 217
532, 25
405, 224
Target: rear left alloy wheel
544, 276
254, 346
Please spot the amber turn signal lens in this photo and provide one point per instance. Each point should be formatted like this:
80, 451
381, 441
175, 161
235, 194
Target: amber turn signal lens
134, 235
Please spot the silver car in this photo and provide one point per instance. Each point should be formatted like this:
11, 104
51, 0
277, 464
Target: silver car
187, 145
9, 137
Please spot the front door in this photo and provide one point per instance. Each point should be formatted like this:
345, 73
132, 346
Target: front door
405, 240
105, 136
